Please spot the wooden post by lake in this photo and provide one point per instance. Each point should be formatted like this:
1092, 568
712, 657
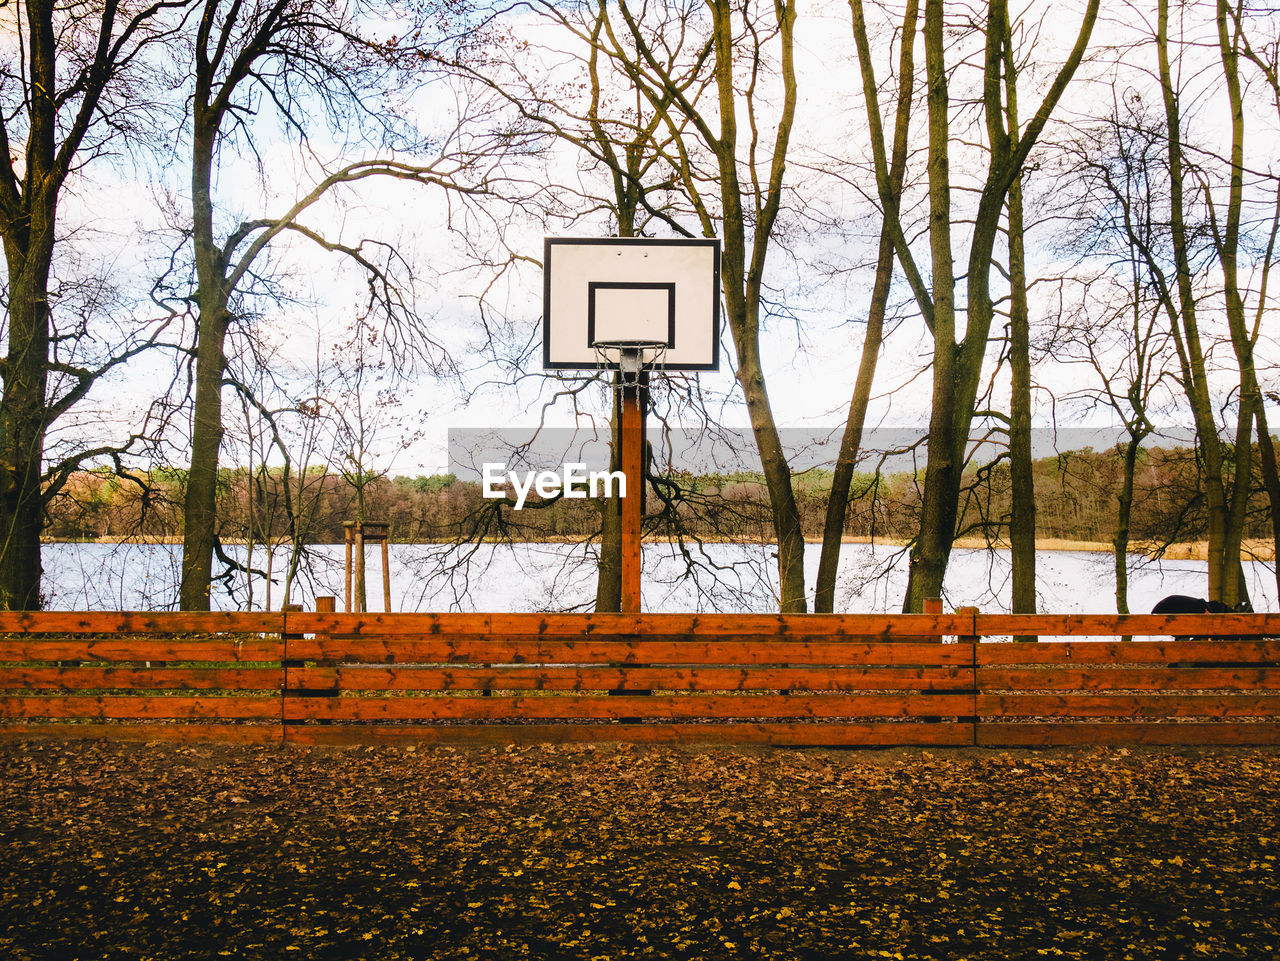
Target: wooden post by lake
356, 535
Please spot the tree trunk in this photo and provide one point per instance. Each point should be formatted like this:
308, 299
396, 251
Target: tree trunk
200, 506
957, 367
1190, 352
1227, 243
1124, 513
63, 56
851, 441
30, 218
361, 588
742, 274
23, 414
773, 460
945, 448
1271, 482
1022, 518
777, 472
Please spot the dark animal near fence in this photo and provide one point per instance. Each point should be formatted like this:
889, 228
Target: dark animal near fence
1183, 604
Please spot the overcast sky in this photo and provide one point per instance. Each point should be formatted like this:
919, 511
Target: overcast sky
811, 346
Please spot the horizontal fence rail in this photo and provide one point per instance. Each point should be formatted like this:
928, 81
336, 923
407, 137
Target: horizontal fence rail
768, 679
143, 675
803, 679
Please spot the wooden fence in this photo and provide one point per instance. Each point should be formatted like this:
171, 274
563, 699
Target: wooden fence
120, 675
834, 680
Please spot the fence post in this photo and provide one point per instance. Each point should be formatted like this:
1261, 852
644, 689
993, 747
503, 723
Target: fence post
286, 664
324, 605
970, 615
933, 606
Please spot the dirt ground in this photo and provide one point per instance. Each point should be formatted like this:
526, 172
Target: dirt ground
171, 852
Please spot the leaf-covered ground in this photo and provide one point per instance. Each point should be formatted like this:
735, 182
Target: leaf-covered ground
168, 852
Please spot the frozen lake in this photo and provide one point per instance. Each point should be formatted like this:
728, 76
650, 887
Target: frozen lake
558, 577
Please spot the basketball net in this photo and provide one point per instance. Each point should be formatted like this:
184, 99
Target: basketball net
629, 358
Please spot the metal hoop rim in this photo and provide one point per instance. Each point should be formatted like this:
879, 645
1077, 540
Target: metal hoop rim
629, 345
630, 360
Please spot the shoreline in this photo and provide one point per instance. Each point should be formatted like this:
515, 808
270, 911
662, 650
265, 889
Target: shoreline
1254, 549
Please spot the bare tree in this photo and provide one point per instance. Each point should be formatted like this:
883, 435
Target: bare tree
576, 101
958, 363
305, 58
1228, 224
729, 157
851, 439
1261, 54
74, 87
1022, 506
1192, 263
371, 426
1116, 177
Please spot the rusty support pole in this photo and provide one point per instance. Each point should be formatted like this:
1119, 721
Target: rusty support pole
631, 437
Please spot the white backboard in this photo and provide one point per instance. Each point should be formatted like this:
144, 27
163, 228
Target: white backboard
616, 290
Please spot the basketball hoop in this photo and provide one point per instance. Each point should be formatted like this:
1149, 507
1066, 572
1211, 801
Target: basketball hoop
629, 356
658, 299
631, 305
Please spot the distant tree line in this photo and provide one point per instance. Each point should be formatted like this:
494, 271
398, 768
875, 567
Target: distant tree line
1077, 502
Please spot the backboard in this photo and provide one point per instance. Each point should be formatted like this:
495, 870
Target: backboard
615, 291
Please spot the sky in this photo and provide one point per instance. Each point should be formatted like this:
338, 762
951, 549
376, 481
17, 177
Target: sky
811, 343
